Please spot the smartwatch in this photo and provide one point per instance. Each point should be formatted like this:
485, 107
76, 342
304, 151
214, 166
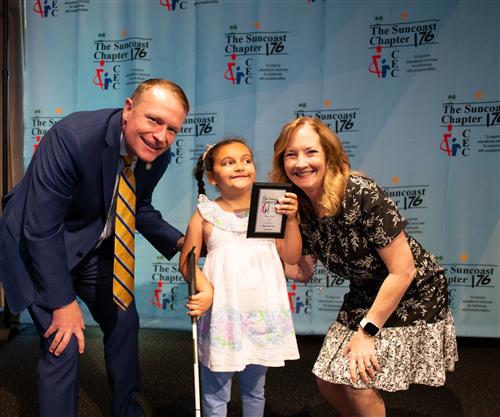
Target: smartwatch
368, 327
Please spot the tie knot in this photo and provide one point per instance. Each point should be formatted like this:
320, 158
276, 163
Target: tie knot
128, 160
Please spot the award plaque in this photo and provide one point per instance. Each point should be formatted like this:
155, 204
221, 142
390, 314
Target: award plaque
263, 221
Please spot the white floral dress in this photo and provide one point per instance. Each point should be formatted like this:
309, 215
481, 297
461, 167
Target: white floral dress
418, 341
250, 320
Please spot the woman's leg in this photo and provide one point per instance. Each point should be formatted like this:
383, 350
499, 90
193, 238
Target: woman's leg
352, 402
252, 381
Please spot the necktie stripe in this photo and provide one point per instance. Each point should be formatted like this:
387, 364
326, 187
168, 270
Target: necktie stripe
130, 183
120, 303
124, 259
127, 219
125, 198
124, 246
122, 223
124, 207
124, 288
123, 269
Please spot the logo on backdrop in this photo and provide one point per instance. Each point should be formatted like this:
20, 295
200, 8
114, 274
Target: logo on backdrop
240, 48
340, 120
105, 78
50, 8
40, 124
382, 66
167, 297
46, 8
470, 127
238, 74
480, 282
202, 128
173, 5
408, 197
389, 40
411, 199
109, 54
169, 288
300, 304
454, 147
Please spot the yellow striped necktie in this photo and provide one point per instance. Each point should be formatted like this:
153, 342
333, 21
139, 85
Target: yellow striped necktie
124, 262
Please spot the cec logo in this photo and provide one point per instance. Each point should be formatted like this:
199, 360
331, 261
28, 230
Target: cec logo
166, 298
382, 67
237, 73
172, 5
106, 79
455, 146
46, 8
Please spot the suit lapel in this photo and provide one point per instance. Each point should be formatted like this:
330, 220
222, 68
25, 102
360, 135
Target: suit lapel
109, 157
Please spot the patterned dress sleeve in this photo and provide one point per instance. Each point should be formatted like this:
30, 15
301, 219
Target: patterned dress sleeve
381, 219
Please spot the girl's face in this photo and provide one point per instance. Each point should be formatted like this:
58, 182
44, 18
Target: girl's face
305, 161
233, 169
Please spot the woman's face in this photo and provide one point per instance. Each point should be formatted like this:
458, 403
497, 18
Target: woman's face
305, 161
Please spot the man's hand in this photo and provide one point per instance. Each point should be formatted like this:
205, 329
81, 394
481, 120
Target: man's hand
66, 321
180, 242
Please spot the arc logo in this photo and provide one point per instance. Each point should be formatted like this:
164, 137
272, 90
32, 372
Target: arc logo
172, 5
454, 146
107, 79
46, 8
383, 67
238, 74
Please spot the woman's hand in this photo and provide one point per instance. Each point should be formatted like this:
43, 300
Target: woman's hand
198, 304
362, 359
288, 205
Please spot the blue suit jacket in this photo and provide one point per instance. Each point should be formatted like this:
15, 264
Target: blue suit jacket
57, 212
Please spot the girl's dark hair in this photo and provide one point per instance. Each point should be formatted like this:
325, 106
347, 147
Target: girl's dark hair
206, 160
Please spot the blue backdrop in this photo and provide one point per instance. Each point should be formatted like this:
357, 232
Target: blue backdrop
411, 87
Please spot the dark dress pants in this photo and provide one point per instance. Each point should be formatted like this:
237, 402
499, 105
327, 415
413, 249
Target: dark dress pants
58, 376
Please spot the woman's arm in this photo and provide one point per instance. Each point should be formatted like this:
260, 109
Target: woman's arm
202, 301
399, 260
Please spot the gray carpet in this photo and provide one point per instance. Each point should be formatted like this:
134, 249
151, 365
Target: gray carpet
166, 367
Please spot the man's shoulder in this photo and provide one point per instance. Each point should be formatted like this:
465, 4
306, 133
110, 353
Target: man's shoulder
93, 119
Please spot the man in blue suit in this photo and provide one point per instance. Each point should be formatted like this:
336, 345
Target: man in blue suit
57, 238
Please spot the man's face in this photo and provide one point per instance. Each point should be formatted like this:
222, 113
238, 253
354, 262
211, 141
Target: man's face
151, 123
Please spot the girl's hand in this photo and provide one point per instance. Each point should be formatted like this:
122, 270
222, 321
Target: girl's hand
198, 304
362, 359
288, 205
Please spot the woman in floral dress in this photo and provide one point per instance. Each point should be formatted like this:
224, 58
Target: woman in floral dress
395, 327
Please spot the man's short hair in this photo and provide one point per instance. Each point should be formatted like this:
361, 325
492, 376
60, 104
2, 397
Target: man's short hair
168, 85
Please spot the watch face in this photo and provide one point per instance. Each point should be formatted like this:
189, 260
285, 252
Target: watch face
370, 328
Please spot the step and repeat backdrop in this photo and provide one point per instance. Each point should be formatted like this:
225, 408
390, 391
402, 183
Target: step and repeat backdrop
411, 88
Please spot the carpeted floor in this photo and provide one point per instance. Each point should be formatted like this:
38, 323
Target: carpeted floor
166, 366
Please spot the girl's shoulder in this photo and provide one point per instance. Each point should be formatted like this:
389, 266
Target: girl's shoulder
213, 213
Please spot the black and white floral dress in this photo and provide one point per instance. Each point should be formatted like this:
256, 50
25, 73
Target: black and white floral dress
417, 344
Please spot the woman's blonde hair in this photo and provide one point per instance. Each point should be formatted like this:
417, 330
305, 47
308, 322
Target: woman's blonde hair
337, 161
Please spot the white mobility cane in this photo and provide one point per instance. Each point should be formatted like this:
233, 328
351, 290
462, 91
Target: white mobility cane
194, 325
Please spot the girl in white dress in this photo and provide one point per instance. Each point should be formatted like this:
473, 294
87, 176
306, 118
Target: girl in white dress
249, 326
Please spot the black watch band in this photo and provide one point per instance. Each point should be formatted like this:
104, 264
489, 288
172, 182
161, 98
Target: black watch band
368, 327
